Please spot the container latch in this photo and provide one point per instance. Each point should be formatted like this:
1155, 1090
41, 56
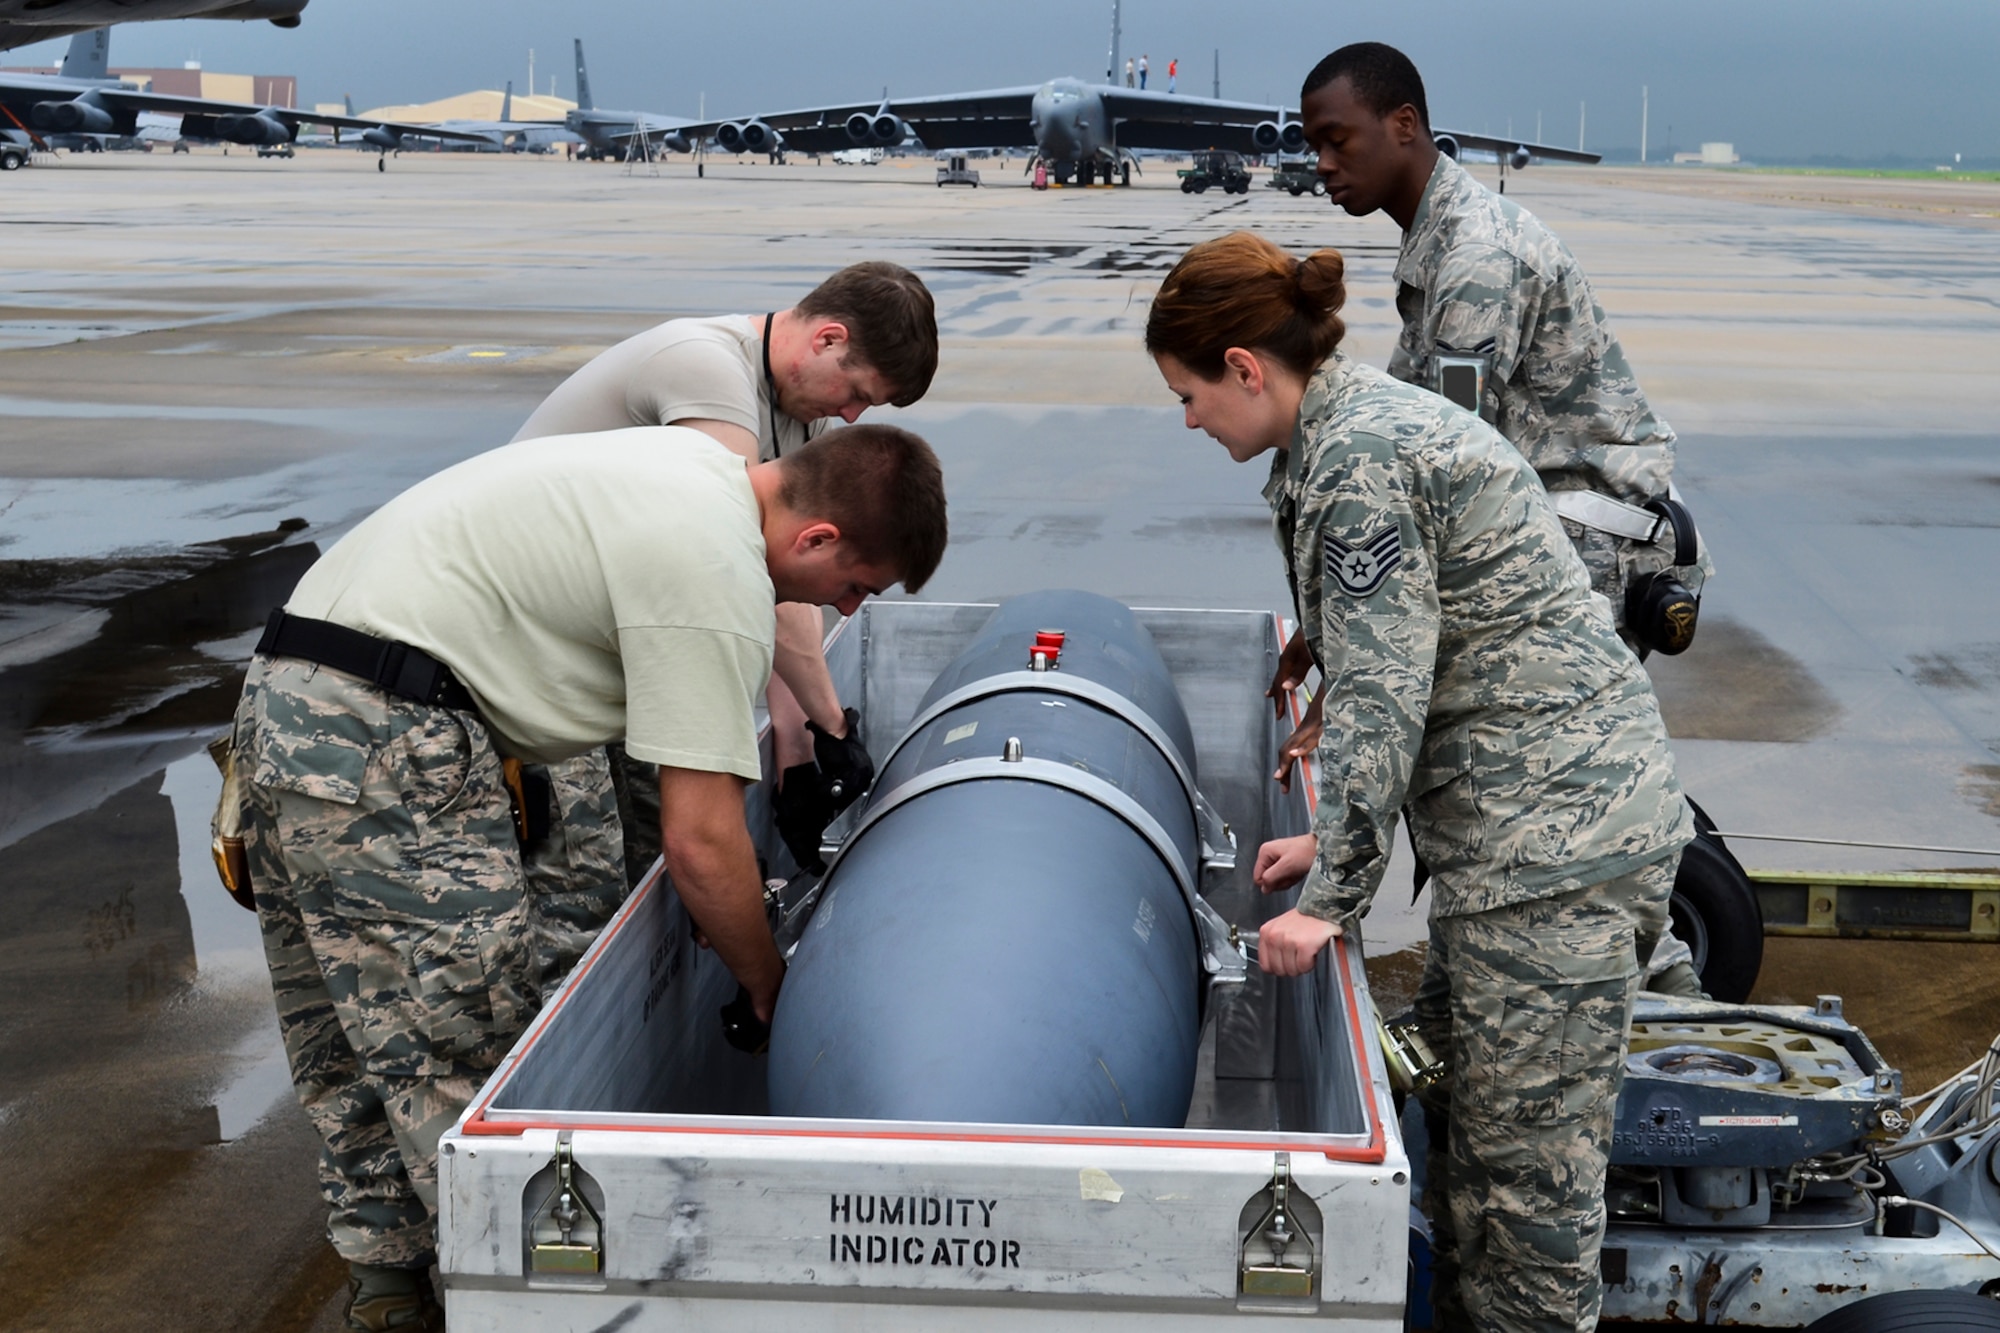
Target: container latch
1278, 1258
566, 1236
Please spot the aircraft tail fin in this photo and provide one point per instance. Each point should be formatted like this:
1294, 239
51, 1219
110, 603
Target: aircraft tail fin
583, 102
89, 55
347, 99
507, 102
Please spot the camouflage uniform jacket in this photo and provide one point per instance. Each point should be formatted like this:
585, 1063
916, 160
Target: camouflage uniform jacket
1469, 673
1480, 276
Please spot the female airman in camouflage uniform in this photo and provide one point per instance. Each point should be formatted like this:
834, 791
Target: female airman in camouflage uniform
1471, 679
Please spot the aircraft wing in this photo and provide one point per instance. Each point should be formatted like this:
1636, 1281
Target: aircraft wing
1484, 143
1162, 120
21, 93
1165, 120
995, 118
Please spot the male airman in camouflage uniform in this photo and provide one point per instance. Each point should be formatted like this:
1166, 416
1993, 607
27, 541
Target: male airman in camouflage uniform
1472, 680
1481, 282
542, 599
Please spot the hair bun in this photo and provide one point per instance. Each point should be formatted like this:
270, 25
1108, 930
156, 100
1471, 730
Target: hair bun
1320, 281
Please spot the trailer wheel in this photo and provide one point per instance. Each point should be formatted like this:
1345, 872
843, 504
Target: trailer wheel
1715, 912
1912, 1312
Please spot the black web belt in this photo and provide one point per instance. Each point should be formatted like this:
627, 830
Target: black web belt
395, 667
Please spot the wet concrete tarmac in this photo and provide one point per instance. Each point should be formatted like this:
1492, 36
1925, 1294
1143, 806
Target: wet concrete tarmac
211, 367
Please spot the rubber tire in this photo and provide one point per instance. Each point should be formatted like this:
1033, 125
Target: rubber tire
1913, 1312
10, 162
1715, 912
1319, 189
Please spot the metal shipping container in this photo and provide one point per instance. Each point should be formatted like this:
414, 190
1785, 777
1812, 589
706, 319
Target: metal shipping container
620, 1170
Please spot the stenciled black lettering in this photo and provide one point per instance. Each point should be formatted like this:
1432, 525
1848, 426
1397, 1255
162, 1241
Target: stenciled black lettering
983, 1252
878, 1249
864, 1208
986, 1207
850, 1249
913, 1250
840, 1209
891, 1212
942, 1254
933, 1214
832, 1242
1010, 1254
960, 1242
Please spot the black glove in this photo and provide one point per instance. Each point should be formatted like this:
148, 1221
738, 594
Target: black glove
802, 808
843, 762
742, 1028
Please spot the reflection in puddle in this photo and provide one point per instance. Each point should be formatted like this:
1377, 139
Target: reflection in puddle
264, 1080
111, 668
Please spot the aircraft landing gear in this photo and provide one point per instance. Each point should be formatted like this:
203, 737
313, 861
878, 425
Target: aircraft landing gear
1124, 173
382, 162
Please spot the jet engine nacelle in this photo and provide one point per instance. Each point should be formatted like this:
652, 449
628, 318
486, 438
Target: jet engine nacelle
676, 143
881, 131
377, 137
256, 128
1519, 158
1293, 137
73, 117
729, 136
760, 138
1266, 136
1447, 145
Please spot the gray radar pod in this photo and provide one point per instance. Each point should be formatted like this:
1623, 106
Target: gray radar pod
1006, 936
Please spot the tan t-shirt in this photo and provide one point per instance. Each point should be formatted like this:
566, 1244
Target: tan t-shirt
682, 370
584, 588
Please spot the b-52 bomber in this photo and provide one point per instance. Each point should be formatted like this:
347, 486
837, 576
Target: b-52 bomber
85, 100
1082, 132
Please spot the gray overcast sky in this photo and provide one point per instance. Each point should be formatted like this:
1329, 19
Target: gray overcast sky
1779, 78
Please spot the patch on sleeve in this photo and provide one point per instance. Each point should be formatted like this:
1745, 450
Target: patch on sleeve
1360, 570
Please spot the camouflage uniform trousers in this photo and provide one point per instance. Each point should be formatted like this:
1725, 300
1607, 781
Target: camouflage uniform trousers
608, 806
1531, 1001
406, 947
576, 875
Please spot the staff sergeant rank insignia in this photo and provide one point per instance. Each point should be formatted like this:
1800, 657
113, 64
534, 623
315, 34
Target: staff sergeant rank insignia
1360, 570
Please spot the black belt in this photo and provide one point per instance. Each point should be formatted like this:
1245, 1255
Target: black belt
395, 667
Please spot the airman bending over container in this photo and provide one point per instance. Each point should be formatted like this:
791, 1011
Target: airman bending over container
762, 385
1472, 681
536, 602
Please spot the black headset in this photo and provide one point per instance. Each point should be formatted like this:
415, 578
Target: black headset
1659, 610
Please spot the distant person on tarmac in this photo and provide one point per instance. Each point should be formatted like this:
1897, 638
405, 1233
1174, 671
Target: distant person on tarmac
1474, 686
1129, 76
763, 385
1173, 72
1144, 67
535, 602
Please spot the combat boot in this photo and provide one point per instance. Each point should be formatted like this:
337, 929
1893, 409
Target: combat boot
392, 1301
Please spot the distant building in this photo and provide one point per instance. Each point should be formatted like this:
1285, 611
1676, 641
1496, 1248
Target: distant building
482, 104
1711, 155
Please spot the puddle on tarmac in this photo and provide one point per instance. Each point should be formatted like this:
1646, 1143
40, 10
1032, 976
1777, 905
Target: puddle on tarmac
136, 1024
1736, 685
